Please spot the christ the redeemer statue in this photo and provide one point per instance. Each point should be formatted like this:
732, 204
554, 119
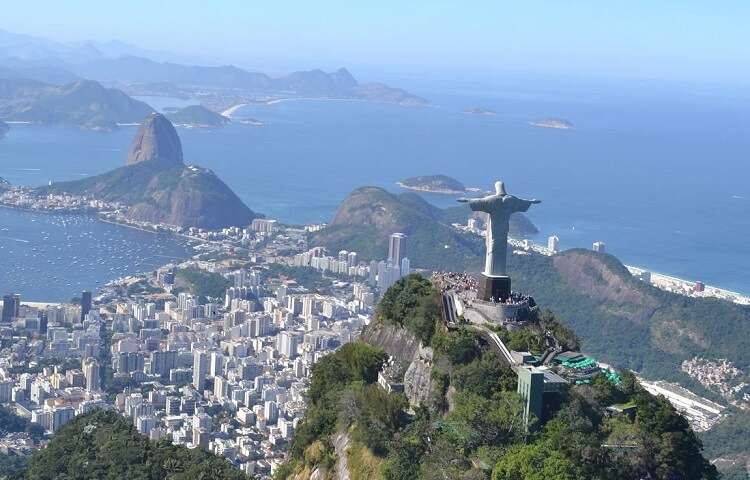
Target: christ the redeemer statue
499, 208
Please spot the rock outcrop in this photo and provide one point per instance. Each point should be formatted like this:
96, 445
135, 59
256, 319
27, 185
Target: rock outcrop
341, 444
418, 377
414, 359
156, 141
158, 187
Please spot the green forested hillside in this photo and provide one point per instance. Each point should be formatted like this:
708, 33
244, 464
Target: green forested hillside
201, 283
369, 215
623, 320
472, 427
729, 441
10, 422
85, 103
177, 195
104, 445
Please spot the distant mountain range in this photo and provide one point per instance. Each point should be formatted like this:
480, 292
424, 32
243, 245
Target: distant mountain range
340, 83
133, 68
367, 217
158, 187
45, 74
16, 48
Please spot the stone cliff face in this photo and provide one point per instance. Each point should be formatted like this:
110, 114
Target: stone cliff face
414, 359
341, 444
156, 140
418, 377
191, 196
397, 342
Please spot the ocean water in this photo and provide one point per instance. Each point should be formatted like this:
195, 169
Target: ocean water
660, 176
53, 257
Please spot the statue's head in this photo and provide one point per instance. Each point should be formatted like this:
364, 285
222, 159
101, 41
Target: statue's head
500, 188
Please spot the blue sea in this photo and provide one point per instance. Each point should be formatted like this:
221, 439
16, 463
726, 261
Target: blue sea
53, 257
658, 174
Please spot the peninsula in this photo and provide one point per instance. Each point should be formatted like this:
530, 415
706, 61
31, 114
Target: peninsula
197, 116
433, 184
85, 103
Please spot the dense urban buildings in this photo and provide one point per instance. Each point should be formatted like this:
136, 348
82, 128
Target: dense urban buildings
225, 370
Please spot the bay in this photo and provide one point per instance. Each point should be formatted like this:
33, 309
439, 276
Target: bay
660, 177
53, 257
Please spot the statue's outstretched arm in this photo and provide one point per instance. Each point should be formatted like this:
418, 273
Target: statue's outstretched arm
522, 205
478, 204
533, 201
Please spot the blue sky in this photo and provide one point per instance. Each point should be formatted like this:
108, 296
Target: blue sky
662, 39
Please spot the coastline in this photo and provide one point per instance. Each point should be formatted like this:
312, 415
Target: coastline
127, 225
659, 280
35, 304
664, 278
742, 298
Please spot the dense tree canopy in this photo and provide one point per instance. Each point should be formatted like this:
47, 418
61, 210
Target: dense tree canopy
473, 427
413, 303
103, 444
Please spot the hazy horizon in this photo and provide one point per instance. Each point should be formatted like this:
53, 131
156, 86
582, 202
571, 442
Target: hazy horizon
682, 42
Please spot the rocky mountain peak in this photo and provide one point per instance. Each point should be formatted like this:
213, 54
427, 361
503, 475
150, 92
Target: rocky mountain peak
156, 140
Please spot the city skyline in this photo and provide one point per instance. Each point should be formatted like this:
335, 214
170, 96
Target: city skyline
232, 246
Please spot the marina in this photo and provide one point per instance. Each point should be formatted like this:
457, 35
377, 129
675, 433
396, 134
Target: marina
52, 257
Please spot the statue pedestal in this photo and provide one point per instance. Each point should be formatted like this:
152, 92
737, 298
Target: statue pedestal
493, 287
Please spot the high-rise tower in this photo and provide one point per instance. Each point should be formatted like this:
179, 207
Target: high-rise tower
85, 304
396, 248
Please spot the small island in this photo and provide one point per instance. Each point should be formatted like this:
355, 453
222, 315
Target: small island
197, 116
251, 121
479, 111
433, 184
3, 129
557, 123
